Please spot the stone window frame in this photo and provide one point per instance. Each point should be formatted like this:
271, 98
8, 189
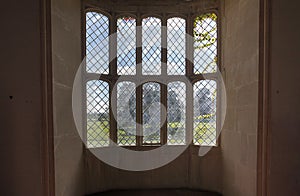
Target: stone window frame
113, 11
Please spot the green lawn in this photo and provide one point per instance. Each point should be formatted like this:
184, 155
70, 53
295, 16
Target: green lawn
98, 134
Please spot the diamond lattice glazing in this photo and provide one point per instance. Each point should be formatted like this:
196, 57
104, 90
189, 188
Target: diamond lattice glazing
126, 46
205, 44
176, 46
126, 119
97, 43
205, 98
97, 101
151, 46
176, 113
151, 113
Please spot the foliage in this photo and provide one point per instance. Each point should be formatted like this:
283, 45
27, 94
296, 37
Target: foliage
204, 38
98, 134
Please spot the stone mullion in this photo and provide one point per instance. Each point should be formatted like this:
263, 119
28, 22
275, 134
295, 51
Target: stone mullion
164, 87
139, 88
113, 75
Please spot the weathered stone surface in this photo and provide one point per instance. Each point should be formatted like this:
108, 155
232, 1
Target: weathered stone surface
240, 60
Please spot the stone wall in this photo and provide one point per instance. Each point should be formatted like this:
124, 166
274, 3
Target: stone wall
230, 168
240, 39
66, 57
187, 171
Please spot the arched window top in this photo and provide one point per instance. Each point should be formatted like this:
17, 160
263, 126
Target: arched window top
151, 46
97, 43
126, 45
205, 33
176, 45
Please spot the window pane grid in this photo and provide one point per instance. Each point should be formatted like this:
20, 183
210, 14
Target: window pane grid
205, 99
151, 113
151, 46
126, 113
126, 46
205, 43
97, 43
97, 113
176, 113
176, 46
205, 91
